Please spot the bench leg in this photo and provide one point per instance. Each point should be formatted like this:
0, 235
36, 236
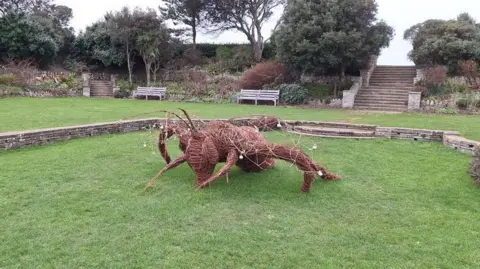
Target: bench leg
256, 102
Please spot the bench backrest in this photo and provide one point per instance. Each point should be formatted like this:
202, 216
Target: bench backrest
269, 92
248, 92
155, 90
260, 93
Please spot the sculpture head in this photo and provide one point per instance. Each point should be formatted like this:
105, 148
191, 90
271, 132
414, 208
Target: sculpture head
201, 151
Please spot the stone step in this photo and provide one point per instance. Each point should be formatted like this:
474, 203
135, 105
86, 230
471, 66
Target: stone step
382, 92
100, 85
108, 92
395, 67
381, 98
380, 102
333, 132
101, 81
390, 84
382, 107
386, 69
387, 89
102, 89
100, 94
329, 124
394, 73
392, 79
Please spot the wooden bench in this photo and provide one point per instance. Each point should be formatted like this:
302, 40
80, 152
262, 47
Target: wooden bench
150, 91
266, 95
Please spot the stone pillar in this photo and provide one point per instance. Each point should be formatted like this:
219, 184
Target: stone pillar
364, 76
86, 84
414, 100
420, 75
115, 88
348, 98
113, 80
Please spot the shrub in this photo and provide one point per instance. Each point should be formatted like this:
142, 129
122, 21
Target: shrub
292, 94
224, 53
224, 86
23, 70
125, 85
475, 166
470, 71
470, 101
6, 90
448, 111
270, 72
122, 93
435, 78
242, 58
192, 57
345, 85
7, 79
318, 91
47, 85
453, 87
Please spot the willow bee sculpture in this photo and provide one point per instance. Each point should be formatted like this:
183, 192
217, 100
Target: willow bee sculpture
223, 142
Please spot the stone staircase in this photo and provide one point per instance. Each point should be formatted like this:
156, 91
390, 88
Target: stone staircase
388, 89
101, 88
334, 130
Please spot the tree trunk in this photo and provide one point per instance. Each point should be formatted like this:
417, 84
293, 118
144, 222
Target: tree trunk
257, 51
148, 68
259, 42
129, 65
341, 79
194, 35
154, 73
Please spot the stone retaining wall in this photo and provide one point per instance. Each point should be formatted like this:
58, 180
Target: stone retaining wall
460, 143
412, 134
13, 140
20, 139
32, 92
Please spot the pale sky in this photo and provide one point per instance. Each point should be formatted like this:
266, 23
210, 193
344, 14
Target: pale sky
400, 14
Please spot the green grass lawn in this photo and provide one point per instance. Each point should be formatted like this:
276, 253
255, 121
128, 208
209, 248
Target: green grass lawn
30, 113
81, 204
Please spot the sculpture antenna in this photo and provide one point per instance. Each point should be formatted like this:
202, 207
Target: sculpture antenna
189, 120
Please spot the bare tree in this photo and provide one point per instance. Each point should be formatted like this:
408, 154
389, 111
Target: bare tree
246, 16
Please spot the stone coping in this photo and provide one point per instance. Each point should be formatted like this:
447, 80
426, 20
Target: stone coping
20, 139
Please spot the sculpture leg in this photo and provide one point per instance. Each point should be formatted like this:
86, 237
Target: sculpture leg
232, 157
167, 167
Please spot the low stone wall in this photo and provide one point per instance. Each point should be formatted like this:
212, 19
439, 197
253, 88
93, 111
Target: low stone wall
412, 134
461, 143
20, 139
13, 140
43, 93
